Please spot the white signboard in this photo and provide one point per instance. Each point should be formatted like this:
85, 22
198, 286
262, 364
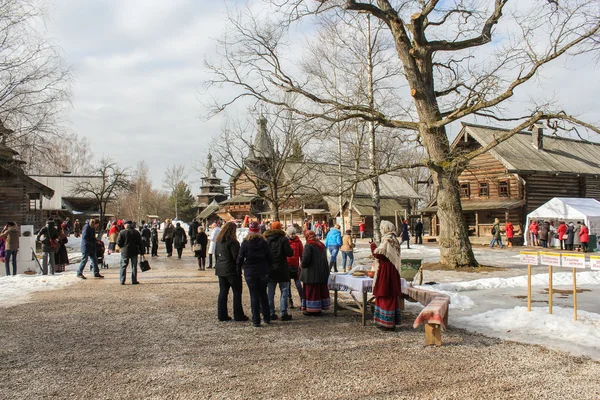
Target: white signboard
552, 259
573, 260
528, 257
595, 262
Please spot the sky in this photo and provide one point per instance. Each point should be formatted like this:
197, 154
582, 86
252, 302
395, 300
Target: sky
138, 73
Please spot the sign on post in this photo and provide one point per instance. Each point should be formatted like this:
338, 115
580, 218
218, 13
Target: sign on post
550, 259
530, 258
573, 260
595, 262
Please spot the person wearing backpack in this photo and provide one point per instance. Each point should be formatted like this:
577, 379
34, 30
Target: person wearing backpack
279, 274
496, 234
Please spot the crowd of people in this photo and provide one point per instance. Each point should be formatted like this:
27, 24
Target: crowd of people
571, 236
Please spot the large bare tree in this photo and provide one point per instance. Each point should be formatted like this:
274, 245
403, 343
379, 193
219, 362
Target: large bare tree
459, 59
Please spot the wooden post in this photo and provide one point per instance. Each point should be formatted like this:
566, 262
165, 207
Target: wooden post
528, 287
396, 220
335, 302
477, 223
550, 289
364, 309
575, 294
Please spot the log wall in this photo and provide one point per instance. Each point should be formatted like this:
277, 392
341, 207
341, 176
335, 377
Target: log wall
487, 169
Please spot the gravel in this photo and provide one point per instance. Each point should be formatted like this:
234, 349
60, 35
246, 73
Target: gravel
161, 340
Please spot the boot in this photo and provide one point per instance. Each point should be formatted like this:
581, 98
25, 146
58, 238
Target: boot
335, 266
199, 264
203, 263
210, 261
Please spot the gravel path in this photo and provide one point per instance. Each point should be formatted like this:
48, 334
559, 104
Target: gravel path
161, 340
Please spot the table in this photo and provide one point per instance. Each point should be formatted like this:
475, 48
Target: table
353, 284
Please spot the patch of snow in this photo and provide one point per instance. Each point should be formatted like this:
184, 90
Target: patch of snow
17, 289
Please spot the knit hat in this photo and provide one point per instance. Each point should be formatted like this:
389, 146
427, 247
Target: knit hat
276, 225
291, 231
254, 228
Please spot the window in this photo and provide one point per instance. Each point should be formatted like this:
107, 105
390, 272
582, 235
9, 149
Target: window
483, 190
503, 189
465, 190
34, 201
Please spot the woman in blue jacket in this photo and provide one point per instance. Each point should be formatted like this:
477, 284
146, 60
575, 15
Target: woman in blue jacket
333, 242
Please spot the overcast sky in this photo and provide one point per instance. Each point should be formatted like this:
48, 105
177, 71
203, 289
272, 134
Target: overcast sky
138, 70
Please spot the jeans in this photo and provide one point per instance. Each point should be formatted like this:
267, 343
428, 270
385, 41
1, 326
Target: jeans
333, 250
124, 262
298, 288
419, 238
544, 243
345, 255
9, 254
154, 248
169, 246
233, 282
284, 289
499, 241
48, 256
84, 259
259, 301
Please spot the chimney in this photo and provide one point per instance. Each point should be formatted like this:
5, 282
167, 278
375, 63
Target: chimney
537, 136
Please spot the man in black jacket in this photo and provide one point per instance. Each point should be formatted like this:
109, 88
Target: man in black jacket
130, 243
192, 232
279, 274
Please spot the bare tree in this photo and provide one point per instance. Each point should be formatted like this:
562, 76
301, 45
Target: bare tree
174, 175
114, 181
440, 47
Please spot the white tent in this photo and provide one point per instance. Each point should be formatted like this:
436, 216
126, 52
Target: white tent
568, 209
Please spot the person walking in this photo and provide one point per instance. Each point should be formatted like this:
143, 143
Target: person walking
419, 232
179, 239
113, 234
294, 262
88, 249
61, 257
146, 236
510, 232
387, 286
347, 250
154, 240
496, 234
333, 242
10, 234
48, 237
168, 237
584, 237
570, 236
202, 241
77, 228
255, 258
314, 275
193, 231
361, 228
561, 234
131, 245
405, 234
211, 248
230, 277
279, 273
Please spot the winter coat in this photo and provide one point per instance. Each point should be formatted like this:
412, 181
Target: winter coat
405, 235
154, 235
361, 227
49, 232
584, 234
544, 230
419, 228
11, 236
570, 234
314, 265
226, 254
347, 244
576, 237
297, 248
168, 232
497, 233
255, 255
280, 250
561, 230
193, 230
334, 238
130, 243
179, 238
61, 256
510, 230
533, 228
145, 233
213, 237
202, 240
113, 234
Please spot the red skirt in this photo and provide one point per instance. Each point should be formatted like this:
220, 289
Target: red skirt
315, 297
387, 289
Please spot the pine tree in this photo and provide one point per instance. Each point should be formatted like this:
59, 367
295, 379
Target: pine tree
183, 199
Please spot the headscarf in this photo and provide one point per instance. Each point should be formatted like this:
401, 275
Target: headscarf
311, 238
389, 246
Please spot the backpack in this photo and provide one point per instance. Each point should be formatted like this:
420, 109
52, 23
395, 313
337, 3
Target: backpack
493, 230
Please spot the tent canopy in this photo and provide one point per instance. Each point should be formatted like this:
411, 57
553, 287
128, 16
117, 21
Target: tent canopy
568, 209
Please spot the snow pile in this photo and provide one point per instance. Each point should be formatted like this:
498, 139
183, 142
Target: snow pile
558, 279
17, 289
557, 331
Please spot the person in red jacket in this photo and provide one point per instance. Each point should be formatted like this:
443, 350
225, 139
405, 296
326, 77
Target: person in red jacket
533, 232
510, 232
294, 262
560, 232
584, 235
361, 228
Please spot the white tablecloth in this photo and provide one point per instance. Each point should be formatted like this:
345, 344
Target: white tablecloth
357, 284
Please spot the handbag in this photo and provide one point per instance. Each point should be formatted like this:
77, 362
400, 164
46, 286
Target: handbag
144, 264
197, 247
565, 237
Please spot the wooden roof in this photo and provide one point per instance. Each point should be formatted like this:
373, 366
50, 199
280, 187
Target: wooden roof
558, 155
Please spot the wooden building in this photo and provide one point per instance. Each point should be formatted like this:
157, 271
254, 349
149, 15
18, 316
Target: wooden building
519, 175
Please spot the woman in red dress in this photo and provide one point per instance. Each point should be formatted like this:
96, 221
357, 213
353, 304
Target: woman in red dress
387, 287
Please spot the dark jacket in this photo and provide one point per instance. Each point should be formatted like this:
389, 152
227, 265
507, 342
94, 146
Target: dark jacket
130, 242
154, 235
314, 265
226, 254
193, 230
179, 238
255, 255
168, 232
544, 230
405, 234
202, 240
49, 232
281, 250
571, 234
145, 233
88, 240
419, 228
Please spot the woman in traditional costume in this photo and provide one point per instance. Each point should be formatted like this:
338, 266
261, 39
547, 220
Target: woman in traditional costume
387, 287
314, 276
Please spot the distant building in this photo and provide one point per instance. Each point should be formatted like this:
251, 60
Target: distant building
211, 194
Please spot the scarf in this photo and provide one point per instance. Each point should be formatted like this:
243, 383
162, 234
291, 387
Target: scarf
390, 249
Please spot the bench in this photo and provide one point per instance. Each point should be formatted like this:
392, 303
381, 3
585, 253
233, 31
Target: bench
434, 316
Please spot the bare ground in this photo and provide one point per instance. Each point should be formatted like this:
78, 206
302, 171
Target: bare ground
161, 340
